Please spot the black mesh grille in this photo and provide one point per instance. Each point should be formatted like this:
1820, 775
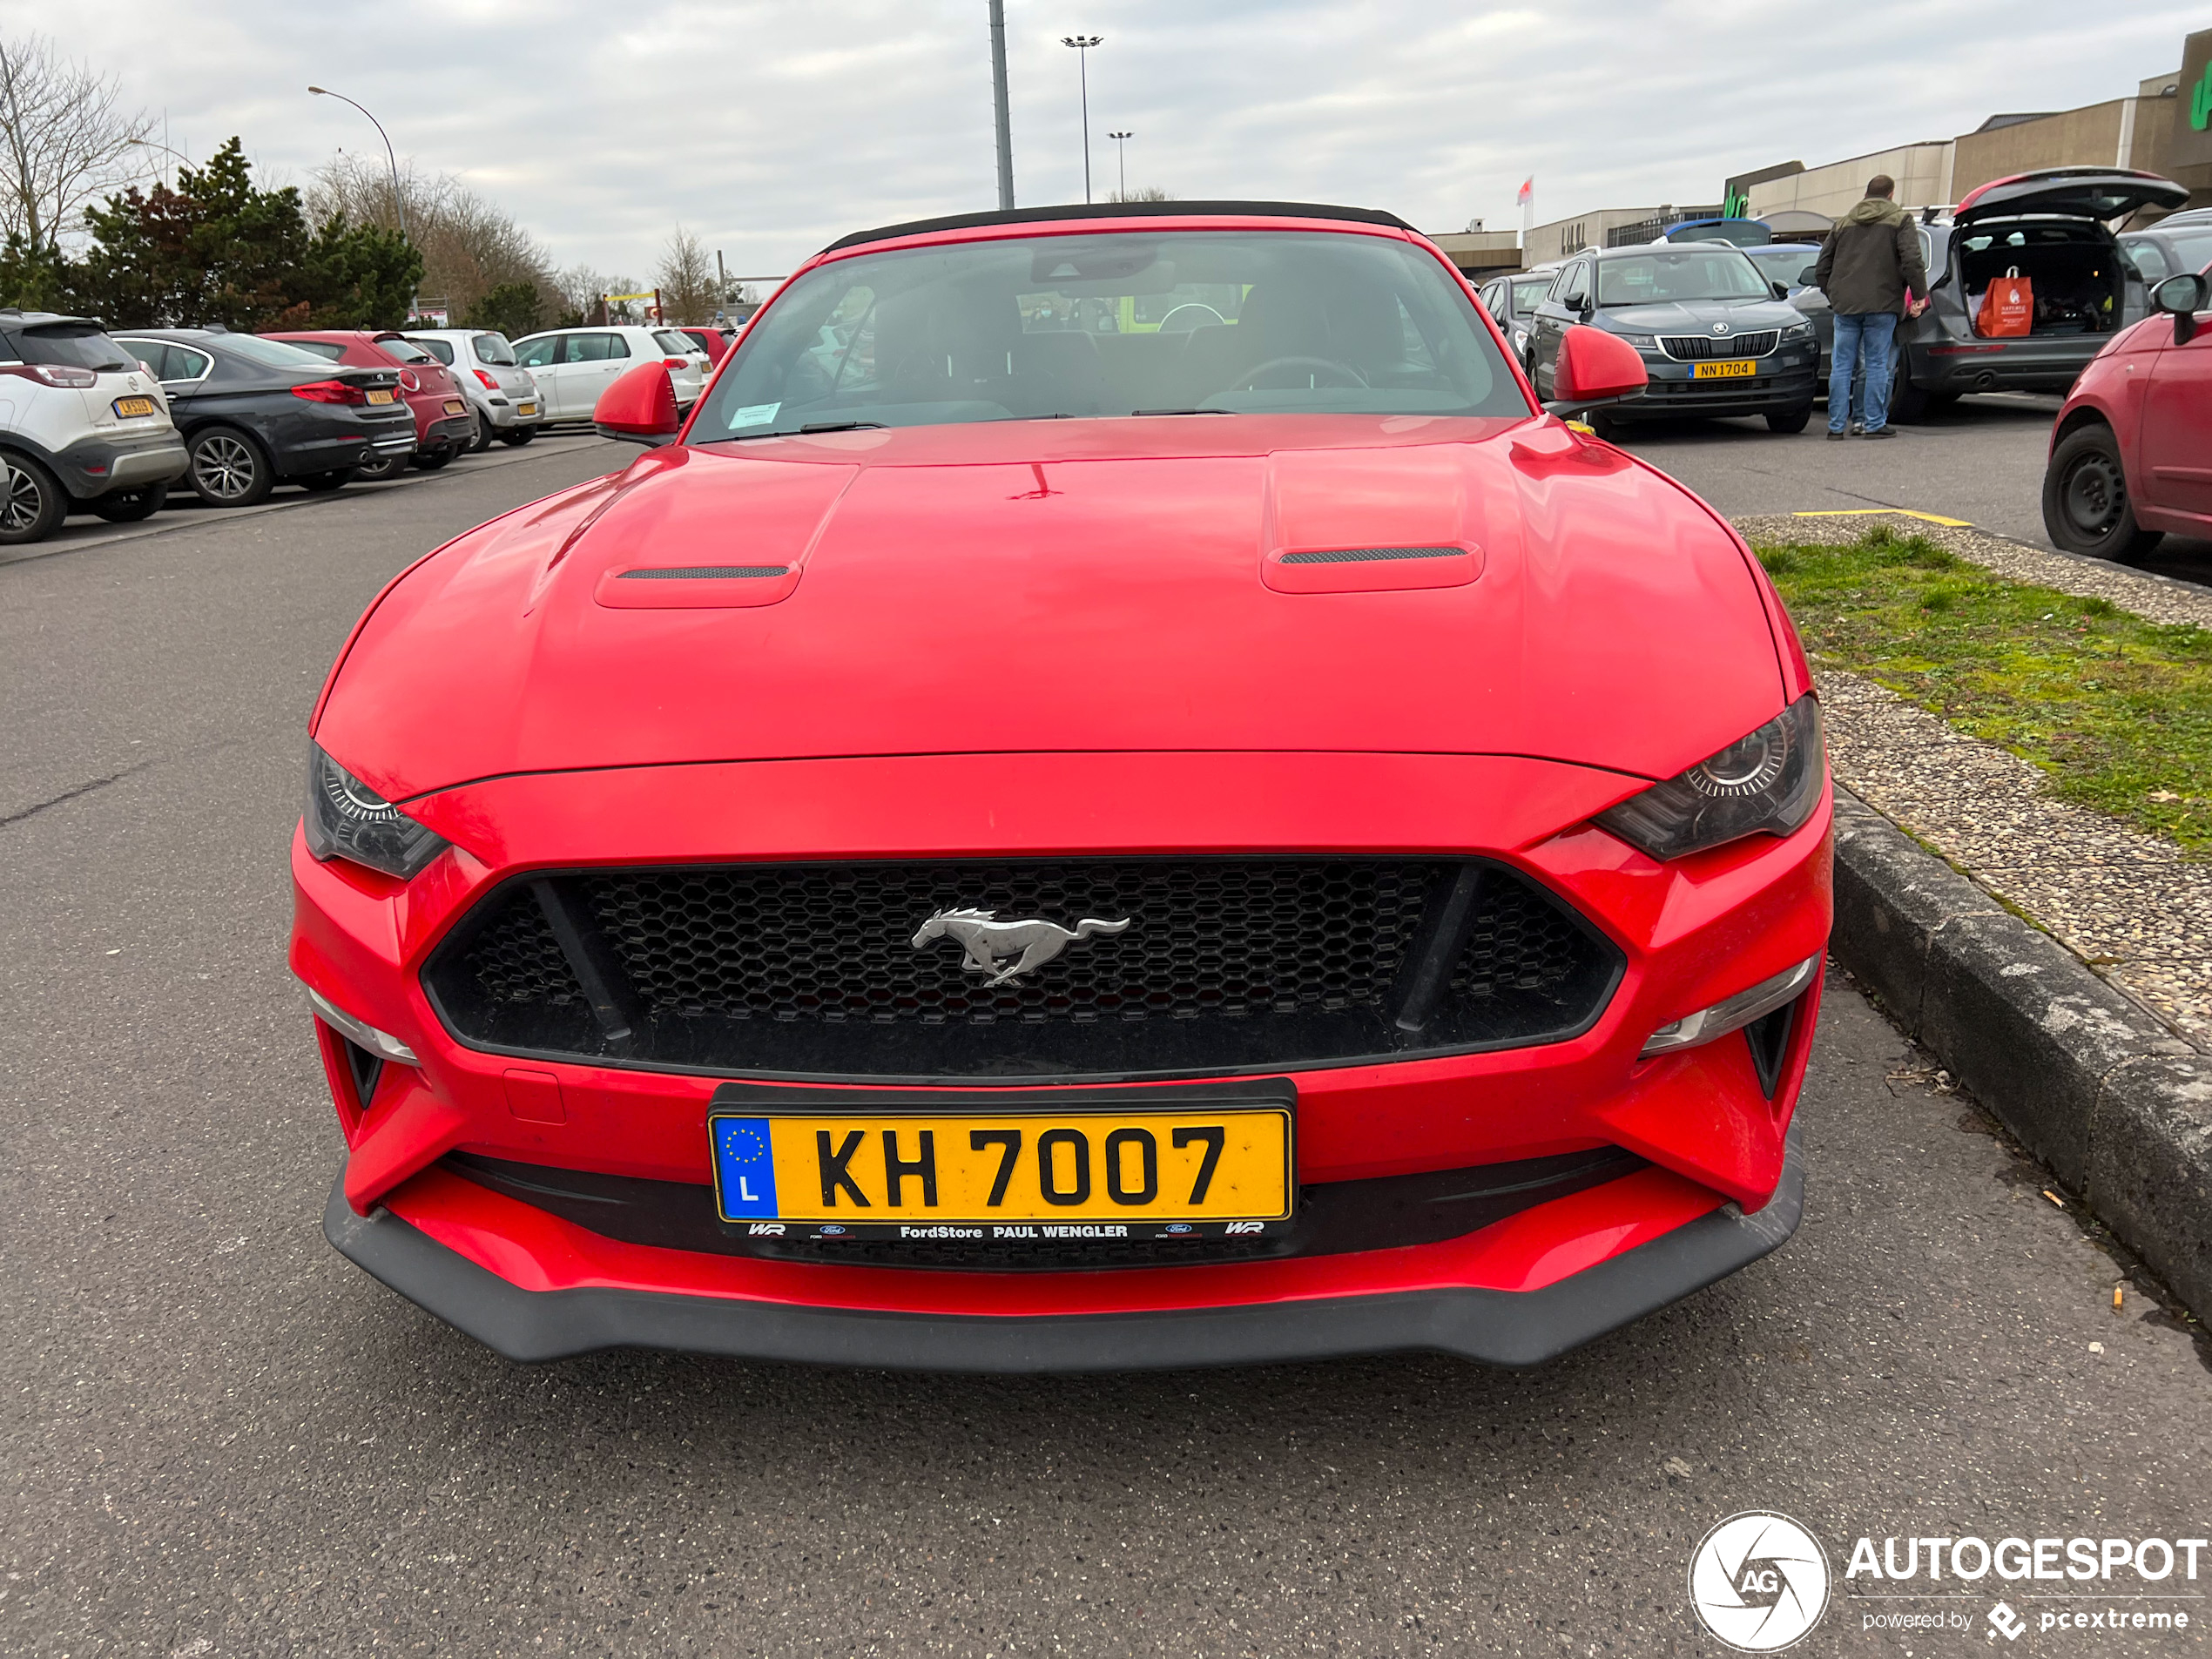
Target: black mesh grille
1370, 555
1226, 964
1692, 348
704, 572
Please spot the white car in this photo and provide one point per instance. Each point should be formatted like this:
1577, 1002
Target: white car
573, 366
84, 427
503, 395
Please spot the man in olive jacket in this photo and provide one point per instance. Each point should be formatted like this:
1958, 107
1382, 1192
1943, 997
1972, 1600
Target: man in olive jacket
1872, 271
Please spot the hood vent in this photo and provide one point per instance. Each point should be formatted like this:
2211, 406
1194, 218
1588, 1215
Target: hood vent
707, 573
1371, 555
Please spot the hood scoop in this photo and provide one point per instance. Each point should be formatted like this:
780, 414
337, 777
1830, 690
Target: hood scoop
1369, 521
768, 515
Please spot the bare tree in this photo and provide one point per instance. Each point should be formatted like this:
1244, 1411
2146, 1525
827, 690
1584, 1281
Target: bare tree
1143, 193
64, 140
685, 280
468, 246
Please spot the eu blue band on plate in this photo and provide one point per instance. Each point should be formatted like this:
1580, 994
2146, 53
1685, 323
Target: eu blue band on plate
747, 1163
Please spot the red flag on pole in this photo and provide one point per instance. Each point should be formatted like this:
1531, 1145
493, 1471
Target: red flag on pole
1528, 192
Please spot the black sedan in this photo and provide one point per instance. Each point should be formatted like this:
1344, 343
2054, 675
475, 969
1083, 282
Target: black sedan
254, 411
1715, 335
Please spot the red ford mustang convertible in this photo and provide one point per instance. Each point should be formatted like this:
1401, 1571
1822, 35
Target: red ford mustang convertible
1118, 795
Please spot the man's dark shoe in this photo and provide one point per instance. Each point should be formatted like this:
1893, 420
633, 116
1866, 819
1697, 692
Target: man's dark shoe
1879, 432
1838, 436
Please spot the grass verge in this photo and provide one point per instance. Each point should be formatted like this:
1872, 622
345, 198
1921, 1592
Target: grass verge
2117, 711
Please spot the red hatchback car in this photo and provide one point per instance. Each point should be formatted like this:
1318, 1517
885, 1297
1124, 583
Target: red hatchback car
2131, 451
1119, 796
443, 426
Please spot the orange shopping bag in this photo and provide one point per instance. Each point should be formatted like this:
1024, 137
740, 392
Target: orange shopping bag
2008, 309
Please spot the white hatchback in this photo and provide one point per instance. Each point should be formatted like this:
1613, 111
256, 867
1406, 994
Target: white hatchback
504, 396
84, 427
573, 366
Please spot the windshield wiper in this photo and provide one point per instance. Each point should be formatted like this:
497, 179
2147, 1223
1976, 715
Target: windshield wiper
813, 427
1182, 411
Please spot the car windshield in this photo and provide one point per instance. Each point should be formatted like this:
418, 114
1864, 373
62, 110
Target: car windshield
407, 351
2192, 248
1120, 324
441, 349
670, 339
1786, 262
1663, 275
80, 345
1526, 296
273, 353
493, 349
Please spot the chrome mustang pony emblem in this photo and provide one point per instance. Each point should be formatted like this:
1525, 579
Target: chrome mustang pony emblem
989, 942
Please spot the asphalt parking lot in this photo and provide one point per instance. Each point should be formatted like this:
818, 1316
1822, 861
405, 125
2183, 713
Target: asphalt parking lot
224, 1440
1980, 460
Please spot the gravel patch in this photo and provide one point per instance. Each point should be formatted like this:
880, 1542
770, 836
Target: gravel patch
2134, 906
2155, 598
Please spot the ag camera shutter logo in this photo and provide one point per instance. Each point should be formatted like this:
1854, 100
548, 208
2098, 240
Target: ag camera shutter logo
1759, 1582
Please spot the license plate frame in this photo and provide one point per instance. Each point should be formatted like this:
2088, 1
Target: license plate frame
1252, 1187
378, 394
134, 409
526, 408
1726, 368
454, 406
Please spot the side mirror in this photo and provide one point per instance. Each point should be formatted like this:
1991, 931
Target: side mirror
639, 408
1595, 368
2181, 297
1781, 290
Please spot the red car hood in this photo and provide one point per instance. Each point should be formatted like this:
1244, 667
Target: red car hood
1074, 585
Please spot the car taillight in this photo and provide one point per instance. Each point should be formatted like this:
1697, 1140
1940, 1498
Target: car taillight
54, 374
410, 380
676, 362
491, 385
331, 392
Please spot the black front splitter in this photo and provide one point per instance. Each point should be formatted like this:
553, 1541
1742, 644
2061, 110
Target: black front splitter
1496, 1327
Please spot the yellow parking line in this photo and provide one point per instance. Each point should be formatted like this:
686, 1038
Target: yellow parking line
1902, 512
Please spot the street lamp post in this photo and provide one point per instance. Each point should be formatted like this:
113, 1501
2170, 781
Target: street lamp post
148, 144
1083, 44
1000, 118
399, 202
1121, 160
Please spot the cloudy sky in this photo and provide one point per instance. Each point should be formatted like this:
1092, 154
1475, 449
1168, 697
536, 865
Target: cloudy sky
772, 126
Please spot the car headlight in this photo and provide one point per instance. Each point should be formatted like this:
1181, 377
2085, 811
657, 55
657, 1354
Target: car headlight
1766, 783
1641, 342
1520, 339
348, 819
1797, 331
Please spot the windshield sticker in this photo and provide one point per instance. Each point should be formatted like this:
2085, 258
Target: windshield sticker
753, 414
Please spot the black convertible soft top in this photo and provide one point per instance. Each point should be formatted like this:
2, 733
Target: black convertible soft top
1123, 210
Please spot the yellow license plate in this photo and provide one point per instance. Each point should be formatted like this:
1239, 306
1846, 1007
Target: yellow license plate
454, 406
526, 408
382, 397
1031, 1169
127, 407
1732, 370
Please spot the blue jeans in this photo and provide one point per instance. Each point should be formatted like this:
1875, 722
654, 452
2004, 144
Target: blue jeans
1869, 335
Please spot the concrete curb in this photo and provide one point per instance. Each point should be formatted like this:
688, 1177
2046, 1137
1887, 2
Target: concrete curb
2117, 1105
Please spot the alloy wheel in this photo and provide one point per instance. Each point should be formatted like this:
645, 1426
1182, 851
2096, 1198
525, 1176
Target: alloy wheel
225, 467
25, 503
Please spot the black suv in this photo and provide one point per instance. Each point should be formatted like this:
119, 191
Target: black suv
1716, 337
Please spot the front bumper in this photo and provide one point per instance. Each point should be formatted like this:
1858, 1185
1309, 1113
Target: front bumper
1785, 382
1690, 934
97, 467
1493, 1326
